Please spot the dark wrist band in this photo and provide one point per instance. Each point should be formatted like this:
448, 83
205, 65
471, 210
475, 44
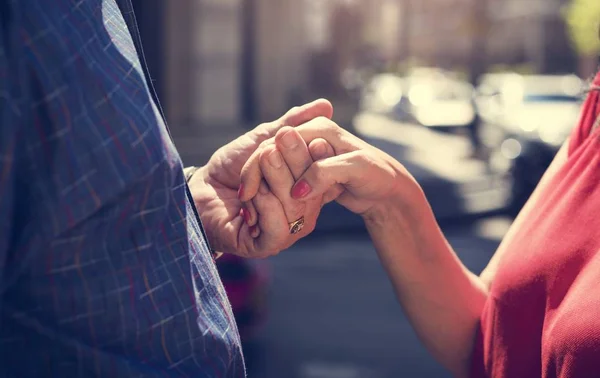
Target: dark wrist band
188, 172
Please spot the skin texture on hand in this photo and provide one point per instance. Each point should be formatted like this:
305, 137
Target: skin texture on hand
281, 164
360, 177
215, 188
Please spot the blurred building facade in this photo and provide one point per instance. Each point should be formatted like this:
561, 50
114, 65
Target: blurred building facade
445, 32
219, 64
530, 31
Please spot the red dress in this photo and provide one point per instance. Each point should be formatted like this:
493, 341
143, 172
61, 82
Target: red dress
542, 318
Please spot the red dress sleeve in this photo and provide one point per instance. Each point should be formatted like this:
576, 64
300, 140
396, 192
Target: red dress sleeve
540, 318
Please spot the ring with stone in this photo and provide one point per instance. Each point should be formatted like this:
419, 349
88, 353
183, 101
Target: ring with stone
297, 225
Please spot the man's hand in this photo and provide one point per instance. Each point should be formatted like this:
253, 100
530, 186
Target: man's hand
216, 187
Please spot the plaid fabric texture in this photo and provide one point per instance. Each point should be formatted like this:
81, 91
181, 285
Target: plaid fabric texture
103, 268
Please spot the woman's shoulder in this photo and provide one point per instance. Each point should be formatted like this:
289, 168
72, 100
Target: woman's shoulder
590, 116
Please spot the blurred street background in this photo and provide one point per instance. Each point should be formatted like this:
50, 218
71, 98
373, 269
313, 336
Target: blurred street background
474, 97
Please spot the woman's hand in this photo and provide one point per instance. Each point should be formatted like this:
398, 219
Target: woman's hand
360, 177
271, 213
435, 290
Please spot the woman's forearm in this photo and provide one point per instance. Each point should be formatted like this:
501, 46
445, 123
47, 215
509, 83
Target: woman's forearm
442, 299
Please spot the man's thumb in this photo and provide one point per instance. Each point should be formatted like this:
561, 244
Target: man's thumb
301, 114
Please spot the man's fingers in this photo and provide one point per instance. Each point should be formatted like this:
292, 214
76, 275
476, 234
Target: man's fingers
295, 117
249, 213
302, 114
339, 139
250, 177
294, 151
279, 179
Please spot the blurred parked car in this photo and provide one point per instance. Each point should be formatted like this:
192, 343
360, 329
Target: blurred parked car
246, 283
438, 99
383, 94
426, 96
525, 120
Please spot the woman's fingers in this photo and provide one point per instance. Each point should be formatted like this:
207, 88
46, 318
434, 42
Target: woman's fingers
320, 149
369, 178
294, 151
280, 179
318, 109
339, 140
325, 174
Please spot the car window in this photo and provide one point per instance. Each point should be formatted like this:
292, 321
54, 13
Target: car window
550, 98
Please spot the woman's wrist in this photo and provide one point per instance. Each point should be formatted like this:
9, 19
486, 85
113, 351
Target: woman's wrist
407, 204
434, 288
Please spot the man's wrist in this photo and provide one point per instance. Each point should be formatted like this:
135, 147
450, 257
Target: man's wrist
188, 173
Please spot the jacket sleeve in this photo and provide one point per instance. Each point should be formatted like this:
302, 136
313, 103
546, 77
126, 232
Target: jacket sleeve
9, 118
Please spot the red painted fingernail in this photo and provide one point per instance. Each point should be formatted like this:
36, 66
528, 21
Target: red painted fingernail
246, 215
241, 191
301, 189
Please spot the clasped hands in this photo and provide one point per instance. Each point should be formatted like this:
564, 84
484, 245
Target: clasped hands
256, 191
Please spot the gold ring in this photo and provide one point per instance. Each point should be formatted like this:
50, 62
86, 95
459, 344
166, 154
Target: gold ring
297, 225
